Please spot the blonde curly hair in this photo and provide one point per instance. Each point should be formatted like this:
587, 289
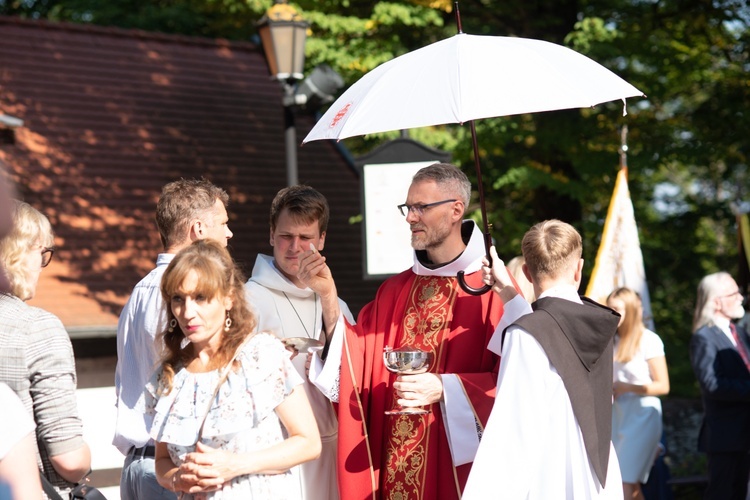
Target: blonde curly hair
30, 228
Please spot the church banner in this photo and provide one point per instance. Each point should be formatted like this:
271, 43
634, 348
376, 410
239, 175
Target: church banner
743, 231
619, 261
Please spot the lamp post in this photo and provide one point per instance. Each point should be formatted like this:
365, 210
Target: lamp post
283, 33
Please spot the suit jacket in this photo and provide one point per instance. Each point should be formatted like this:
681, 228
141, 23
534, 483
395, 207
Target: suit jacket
725, 388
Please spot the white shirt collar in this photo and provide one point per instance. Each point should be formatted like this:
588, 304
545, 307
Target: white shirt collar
567, 292
469, 261
723, 324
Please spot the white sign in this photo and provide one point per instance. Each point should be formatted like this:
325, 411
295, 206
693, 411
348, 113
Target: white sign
388, 240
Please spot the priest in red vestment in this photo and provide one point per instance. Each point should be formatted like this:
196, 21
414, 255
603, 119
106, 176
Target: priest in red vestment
424, 456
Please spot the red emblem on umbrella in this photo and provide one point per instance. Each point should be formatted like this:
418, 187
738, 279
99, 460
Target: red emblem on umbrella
342, 112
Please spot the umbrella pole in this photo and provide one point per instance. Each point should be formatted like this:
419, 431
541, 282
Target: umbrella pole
487, 236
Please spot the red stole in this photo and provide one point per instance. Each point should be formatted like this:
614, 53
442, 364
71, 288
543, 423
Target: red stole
389, 456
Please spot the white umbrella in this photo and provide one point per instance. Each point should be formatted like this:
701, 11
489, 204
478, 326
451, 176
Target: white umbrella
469, 77
465, 78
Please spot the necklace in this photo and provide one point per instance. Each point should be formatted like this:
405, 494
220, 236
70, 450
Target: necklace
315, 313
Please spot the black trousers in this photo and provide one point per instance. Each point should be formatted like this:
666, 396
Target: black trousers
727, 476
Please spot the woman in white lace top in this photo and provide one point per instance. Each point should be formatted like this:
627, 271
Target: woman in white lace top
256, 420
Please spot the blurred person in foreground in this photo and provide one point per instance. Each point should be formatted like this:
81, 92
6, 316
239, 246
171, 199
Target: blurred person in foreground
720, 358
640, 376
548, 436
424, 456
187, 210
6, 221
515, 268
36, 356
293, 311
18, 470
230, 436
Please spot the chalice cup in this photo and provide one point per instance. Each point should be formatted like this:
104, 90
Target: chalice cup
407, 360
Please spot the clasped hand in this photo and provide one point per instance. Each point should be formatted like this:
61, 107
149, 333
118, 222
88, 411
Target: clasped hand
418, 390
204, 470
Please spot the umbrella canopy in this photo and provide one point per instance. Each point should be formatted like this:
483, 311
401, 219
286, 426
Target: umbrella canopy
465, 78
469, 77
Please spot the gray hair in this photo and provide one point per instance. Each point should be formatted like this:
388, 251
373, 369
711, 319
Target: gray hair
447, 176
709, 289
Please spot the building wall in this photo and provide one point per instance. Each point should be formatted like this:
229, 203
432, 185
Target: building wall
112, 115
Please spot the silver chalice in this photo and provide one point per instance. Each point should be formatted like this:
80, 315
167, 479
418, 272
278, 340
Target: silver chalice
407, 360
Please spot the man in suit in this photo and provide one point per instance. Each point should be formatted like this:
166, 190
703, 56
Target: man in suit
720, 355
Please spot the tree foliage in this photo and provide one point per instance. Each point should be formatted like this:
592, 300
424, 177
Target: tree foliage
687, 154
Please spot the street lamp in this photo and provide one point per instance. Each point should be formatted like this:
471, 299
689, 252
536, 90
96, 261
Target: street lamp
283, 33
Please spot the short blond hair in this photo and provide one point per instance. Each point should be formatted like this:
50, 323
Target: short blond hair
30, 227
549, 247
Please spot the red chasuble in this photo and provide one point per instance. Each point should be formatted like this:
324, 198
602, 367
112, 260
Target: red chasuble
408, 456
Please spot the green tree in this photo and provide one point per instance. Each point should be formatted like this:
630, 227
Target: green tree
688, 159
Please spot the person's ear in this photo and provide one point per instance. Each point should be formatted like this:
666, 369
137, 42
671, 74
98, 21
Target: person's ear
196, 230
526, 272
717, 304
270, 237
228, 303
458, 210
579, 271
322, 241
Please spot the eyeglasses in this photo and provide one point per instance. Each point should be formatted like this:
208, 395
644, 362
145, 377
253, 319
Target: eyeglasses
47, 254
420, 208
732, 295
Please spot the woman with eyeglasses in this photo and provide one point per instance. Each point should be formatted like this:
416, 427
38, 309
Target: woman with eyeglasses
36, 356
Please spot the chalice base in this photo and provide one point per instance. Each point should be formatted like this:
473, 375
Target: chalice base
408, 410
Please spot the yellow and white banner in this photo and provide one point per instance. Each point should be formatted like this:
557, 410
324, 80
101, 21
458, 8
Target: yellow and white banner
619, 261
744, 227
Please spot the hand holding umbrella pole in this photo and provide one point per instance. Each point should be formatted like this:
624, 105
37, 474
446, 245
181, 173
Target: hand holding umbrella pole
487, 237
471, 77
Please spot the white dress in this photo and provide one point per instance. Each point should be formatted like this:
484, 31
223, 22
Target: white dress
636, 420
241, 419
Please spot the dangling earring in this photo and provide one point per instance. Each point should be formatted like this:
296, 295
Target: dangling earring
172, 324
227, 323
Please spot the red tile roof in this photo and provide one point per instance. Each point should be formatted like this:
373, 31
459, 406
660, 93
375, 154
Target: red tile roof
111, 115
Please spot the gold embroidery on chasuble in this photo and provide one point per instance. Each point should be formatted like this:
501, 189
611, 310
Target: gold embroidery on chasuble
427, 318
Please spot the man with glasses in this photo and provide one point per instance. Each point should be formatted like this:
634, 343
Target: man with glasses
188, 210
425, 456
720, 355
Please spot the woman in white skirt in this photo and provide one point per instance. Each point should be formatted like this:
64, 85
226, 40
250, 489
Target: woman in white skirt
640, 375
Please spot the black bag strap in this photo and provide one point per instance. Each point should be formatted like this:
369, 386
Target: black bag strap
49, 490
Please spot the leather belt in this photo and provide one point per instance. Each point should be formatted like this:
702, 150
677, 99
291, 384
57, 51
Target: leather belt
144, 452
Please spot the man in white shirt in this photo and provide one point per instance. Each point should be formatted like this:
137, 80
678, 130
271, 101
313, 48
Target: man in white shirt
549, 434
188, 210
293, 311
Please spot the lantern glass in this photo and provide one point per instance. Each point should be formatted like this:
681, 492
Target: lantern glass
283, 33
